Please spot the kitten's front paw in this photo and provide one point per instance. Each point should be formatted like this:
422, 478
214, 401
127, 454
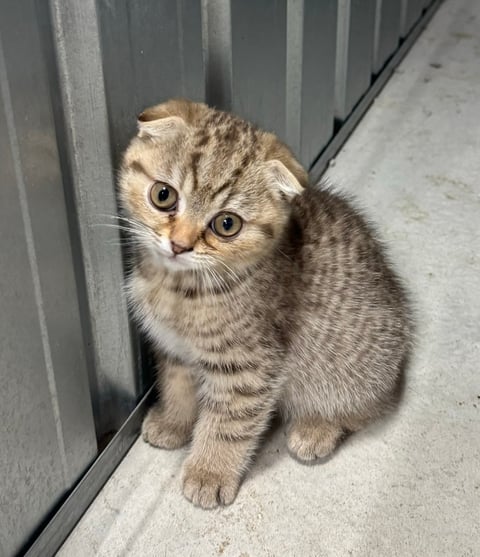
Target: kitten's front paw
208, 489
160, 432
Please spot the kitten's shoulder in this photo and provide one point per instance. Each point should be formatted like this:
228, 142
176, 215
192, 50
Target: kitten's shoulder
322, 207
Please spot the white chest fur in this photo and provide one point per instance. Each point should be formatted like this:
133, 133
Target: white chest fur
155, 312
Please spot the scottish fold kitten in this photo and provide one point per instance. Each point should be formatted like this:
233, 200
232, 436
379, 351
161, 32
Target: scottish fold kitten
265, 294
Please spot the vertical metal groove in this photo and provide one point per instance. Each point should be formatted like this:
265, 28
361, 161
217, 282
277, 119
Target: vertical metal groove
205, 42
341, 66
293, 119
387, 31
356, 29
376, 37
318, 167
217, 37
181, 50
403, 17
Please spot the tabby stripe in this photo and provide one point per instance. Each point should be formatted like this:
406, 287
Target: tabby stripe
240, 414
194, 165
229, 368
207, 333
197, 292
203, 333
248, 391
222, 188
203, 139
267, 229
243, 325
224, 343
204, 237
234, 437
174, 360
193, 292
138, 167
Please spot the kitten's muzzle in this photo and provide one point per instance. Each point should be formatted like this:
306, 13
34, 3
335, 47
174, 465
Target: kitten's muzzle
180, 248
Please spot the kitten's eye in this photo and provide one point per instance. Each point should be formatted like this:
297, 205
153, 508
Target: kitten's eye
163, 196
226, 225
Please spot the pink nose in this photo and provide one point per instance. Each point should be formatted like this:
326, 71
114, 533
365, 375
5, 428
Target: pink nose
179, 248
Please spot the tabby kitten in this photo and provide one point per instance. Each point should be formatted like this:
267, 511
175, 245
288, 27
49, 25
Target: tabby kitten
265, 294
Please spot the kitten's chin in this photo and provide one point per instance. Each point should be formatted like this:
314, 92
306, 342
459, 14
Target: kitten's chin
178, 264
174, 263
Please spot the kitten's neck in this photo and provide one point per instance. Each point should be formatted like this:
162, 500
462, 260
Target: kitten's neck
218, 278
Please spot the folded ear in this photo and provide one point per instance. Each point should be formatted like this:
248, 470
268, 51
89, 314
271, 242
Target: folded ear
283, 179
163, 127
169, 118
276, 150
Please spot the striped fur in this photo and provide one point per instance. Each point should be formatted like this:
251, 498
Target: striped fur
300, 313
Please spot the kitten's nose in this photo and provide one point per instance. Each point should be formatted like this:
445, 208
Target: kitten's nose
179, 248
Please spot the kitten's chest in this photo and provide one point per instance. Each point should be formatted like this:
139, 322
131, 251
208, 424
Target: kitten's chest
176, 323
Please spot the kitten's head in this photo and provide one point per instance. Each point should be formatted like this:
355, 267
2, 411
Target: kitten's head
203, 188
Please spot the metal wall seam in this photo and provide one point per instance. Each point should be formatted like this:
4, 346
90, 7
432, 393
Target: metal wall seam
293, 78
284, 84
217, 45
151, 51
317, 87
189, 25
320, 164
387, 31
259, 62
355, 43
341, 63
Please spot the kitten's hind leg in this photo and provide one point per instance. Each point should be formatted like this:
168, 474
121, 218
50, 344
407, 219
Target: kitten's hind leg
312, 438
169, 423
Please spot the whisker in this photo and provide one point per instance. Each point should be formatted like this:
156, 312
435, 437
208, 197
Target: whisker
230, 272
283, 254
109, 225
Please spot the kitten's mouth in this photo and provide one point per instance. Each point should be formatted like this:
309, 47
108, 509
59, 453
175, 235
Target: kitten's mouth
178, 259
169, 259
177, 262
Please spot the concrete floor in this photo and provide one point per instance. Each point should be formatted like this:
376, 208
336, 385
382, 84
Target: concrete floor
411, 485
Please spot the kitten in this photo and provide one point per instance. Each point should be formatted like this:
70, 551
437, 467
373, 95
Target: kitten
265, 294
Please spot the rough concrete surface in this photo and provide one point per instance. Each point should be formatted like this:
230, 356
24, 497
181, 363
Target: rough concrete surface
408, 486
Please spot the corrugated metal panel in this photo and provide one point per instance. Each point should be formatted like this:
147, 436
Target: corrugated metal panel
284, 84
151, 51
259, 65
311, 54
47, 436
355, 42
217, 49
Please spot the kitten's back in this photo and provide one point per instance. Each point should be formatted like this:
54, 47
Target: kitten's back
348, 316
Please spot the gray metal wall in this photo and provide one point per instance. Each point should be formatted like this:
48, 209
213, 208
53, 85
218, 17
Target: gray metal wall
47, 434
299, 67
73, 74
